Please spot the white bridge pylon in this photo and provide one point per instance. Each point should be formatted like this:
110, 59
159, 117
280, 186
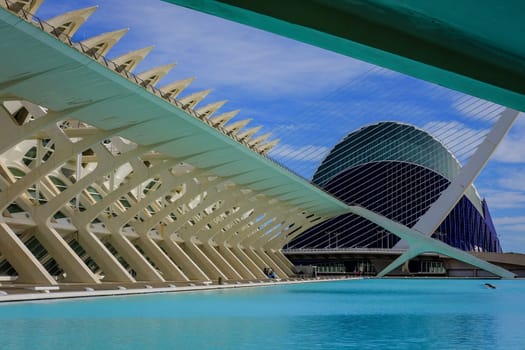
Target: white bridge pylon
418, 237
420, 244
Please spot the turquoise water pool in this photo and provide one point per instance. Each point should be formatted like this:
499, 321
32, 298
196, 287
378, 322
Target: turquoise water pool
364, 314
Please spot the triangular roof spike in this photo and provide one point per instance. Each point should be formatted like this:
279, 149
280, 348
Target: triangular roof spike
192, 100
211, 108
101, 44
152, 76
130, 60
245, 135
259, 139
267, 147
34, 5
234, 127
172, 90
28, 5
68, 23
224, 118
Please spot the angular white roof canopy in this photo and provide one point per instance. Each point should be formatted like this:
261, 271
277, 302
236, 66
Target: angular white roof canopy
101, 44
130, 60
69, 23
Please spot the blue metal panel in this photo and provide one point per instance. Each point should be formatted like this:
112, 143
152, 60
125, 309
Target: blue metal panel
403, 198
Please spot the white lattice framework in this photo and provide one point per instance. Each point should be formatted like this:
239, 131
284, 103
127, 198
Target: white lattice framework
86, 199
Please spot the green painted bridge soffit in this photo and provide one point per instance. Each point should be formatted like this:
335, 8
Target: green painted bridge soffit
470, 46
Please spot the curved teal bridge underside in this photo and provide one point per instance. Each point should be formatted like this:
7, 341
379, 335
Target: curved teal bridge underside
469, 47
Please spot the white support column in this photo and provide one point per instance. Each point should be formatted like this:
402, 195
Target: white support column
168, 183
213, 196
278, 255
435, 215
196, 254
229, 261
261, 264
274, 245
421, 244
145, 272
139, 176
270, 249
171, 272
235, 262
61, 155
220, 261
270, 263
28, 268
273, 242
188, 266
112, 269
248, 235
234, 222
247, 261
255, 250
225, 236
103, 168
156, 219
192, 190
76, 270
228, 233
11, 134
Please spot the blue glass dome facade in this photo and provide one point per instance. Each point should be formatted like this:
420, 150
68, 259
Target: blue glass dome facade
398, 171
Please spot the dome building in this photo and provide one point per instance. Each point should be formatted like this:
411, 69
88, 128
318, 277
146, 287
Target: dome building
398, 171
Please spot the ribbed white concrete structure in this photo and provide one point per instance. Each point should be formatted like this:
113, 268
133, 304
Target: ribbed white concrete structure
105, 178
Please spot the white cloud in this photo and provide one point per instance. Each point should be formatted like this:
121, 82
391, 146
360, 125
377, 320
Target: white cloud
308, 153
283, 129
511, 149
474, 108
222, 53
512, 242
510, 220
512, 179
499, 199
514, 228
463, 140
241, 64
458, 137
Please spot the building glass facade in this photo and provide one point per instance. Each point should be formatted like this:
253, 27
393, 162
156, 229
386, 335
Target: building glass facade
397, 171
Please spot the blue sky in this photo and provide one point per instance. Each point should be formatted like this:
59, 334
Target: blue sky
308, 97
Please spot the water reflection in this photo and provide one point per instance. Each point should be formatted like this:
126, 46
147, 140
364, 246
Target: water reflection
349, 315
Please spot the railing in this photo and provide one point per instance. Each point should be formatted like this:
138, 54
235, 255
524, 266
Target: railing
48, 28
